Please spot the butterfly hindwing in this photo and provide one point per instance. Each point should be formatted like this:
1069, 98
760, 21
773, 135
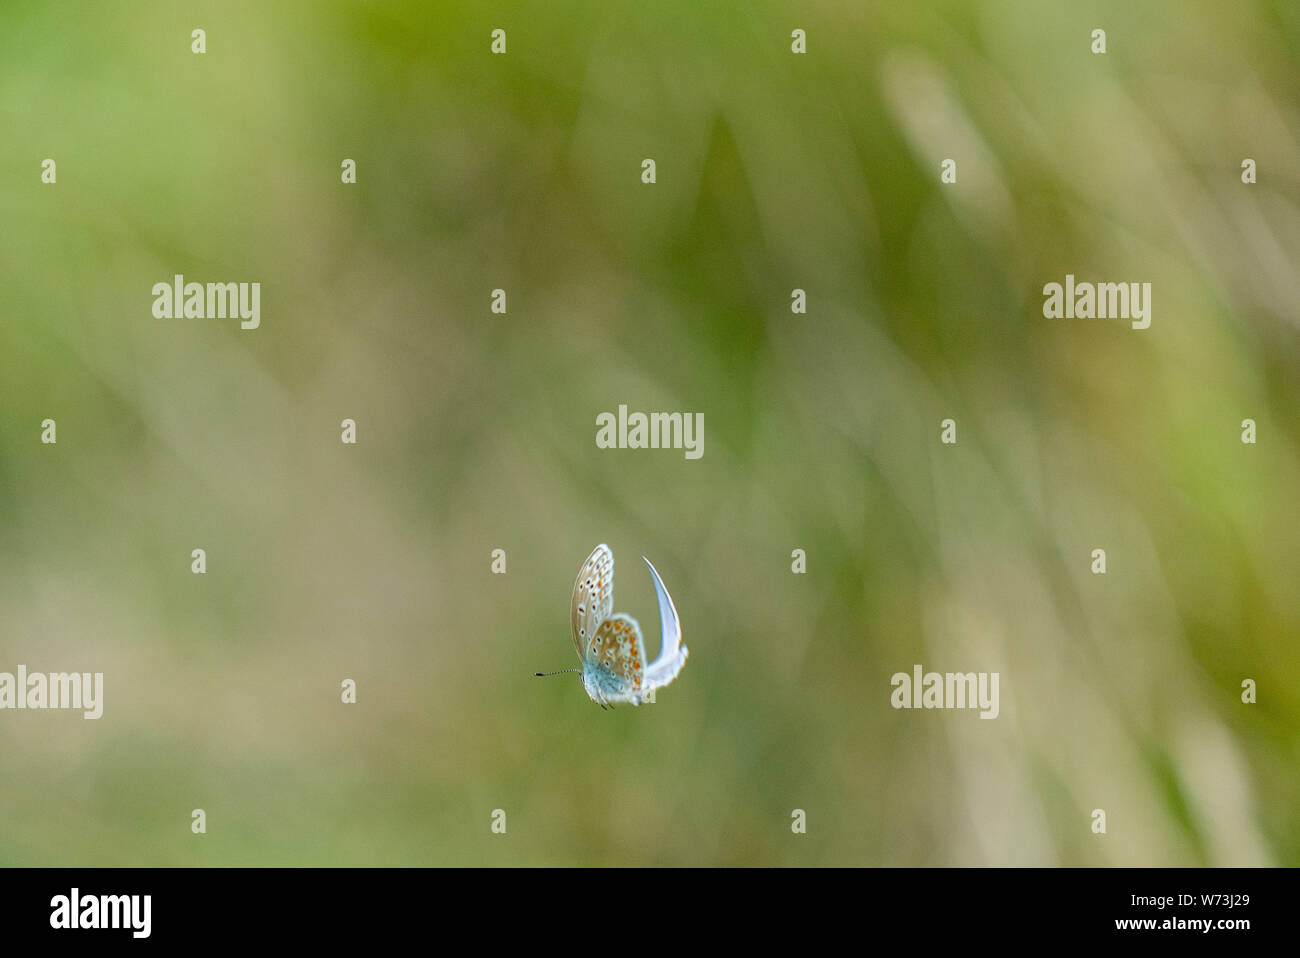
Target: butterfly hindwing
593, 597
616, 659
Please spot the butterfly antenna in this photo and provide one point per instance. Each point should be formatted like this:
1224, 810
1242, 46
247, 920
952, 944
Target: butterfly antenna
561, 672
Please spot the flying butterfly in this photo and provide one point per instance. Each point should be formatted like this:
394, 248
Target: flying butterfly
609, 644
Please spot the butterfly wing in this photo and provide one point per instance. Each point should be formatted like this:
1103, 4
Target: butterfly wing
593, 598
616, 660
672, 654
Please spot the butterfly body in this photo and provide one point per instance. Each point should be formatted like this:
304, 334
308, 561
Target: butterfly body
609, 644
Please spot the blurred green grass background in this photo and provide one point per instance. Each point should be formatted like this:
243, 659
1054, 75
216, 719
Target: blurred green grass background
476, 431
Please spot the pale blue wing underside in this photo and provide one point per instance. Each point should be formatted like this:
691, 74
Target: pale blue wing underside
672, 654
614, 670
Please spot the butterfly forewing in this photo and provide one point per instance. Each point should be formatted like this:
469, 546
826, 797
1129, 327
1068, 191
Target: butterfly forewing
672, 653
593, 598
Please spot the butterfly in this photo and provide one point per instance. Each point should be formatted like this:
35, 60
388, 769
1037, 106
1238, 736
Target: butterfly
609, 644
